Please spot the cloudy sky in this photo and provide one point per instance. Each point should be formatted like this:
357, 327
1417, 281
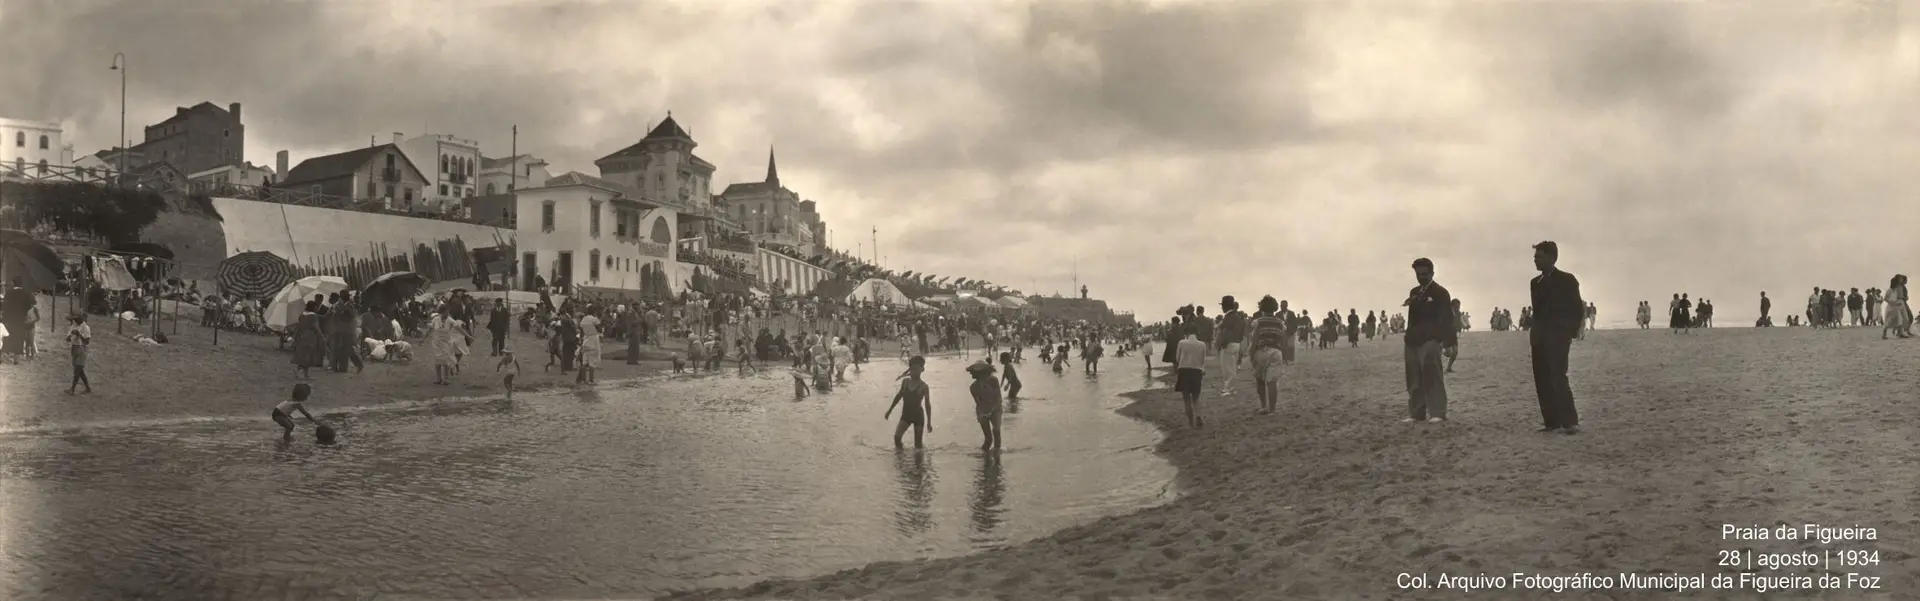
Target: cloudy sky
1181, 150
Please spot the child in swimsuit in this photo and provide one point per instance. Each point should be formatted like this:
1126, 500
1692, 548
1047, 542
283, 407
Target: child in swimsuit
282, 413
918, 407
1012, 378
986, 403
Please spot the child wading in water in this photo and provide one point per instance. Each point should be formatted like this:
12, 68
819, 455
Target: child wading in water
282, 415
79, 336
507, 360
1012, 378
986, 403
918, 409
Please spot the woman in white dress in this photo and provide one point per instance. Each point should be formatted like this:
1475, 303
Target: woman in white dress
1899, 319
443, 339
589, 346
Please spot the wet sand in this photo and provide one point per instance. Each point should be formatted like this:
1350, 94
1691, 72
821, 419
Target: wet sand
1333, 498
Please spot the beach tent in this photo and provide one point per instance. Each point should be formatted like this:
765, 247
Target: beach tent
879, 291
1012, 302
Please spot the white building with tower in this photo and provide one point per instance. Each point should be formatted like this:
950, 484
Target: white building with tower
451, 164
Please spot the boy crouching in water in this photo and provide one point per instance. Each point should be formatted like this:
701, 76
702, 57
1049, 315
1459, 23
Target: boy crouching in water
919, 404
507, 360
986, 403
282, 415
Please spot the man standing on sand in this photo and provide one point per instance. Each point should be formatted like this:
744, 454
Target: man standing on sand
1232, 331
1190, 370
1855, 303
1766, 305
1556, 313
1431, 327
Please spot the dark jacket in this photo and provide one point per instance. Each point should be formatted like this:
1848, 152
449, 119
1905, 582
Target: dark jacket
1557, 307
1430, 316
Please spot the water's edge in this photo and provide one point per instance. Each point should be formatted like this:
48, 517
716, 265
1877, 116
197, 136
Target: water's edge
1175, 493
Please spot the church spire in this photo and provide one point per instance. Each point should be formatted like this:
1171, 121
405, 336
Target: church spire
773, 172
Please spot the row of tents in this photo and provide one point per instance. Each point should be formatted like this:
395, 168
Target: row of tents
886, 292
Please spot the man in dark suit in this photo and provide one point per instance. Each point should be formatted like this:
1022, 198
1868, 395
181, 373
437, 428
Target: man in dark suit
1431, 330
1558, 315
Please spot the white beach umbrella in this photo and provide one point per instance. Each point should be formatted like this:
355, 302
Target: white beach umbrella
290, 301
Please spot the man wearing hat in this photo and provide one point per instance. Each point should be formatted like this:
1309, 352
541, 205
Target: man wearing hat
986, 403
1228, 336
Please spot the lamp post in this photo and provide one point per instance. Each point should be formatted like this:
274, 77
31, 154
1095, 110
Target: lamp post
120, 64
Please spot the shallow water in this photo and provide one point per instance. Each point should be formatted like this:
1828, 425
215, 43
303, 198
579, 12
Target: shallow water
630, 490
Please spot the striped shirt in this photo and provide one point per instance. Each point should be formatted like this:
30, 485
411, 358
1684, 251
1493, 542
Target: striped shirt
1269, 331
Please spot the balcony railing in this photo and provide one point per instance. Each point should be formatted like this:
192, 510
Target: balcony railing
457, 178
53, 174
390, 174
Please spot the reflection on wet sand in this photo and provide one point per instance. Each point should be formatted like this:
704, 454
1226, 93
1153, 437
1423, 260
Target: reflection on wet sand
989, 494
914, 515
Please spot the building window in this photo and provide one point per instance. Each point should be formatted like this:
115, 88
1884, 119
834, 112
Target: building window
593, 265
373, 190
43, 166
443, 164
409, 195
226, 133
490, 189
20, 139
43, 142
593, 220
546, 216
443, 187
315, 189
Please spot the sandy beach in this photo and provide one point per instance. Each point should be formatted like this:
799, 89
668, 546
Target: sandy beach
1334, 498
246, 374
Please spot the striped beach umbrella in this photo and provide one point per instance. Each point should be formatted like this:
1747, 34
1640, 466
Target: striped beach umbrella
254, 274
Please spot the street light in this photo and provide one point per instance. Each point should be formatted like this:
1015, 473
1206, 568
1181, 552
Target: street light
120, 64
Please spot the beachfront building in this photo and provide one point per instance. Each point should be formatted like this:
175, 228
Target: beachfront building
451, 164
769, 212
810, 217
1074, 309
243, 173
577, 230
662, 166
35, 145
506, 174
194, 139
781, 272
381, 172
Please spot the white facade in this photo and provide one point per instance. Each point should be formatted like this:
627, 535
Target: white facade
795, 276
451, 164
596, 235
25, 144
245, 174
503, 175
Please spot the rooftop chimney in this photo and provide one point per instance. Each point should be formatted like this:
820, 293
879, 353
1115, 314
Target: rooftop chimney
235, 109
397, 137
280, 166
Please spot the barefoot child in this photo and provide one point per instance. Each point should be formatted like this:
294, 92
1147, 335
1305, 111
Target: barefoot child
986, 403
1012, 378
919, 404
507, 360
281, 411
800, 376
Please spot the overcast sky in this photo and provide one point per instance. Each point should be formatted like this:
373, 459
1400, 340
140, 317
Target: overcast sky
1182, 150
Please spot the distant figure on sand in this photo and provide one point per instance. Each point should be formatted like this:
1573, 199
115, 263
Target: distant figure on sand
918, 403
1899, 320
1230, 334
1431, 327
1557, 316
1766, 306
1189, 373
1643, 315
986, 403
